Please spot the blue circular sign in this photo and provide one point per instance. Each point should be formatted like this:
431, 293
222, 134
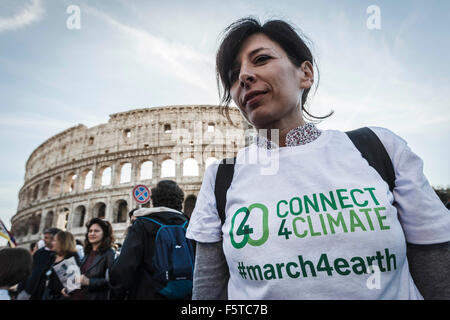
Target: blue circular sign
141, 193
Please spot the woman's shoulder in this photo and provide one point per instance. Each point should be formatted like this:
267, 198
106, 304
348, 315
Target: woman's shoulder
108, 252
384, 134
392, 142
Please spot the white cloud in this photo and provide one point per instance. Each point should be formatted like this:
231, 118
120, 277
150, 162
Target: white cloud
177, 59
31, 13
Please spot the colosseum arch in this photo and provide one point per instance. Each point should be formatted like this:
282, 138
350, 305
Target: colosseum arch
168, 168
99, 210
105, 176
48, 222
56, 185
63, 218
125, 172
146, 170
29, 195
120, 211
35, 223
89, 151
190, 167
79, 215
45, 188
87, 179
69, 182
22, 229
36, 193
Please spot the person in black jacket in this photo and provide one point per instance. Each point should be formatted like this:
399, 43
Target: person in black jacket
131, 275
98, 259
33, 287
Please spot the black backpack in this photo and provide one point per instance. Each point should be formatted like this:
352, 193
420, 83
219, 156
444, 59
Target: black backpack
372, 149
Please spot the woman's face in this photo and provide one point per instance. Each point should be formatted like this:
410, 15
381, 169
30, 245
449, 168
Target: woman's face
95, 234
267, 86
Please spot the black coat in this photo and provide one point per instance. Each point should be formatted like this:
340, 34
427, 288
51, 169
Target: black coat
130, 276
53, 284
34, 285
98, 288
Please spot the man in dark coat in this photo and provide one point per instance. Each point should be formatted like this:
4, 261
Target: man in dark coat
131, 274
33, 288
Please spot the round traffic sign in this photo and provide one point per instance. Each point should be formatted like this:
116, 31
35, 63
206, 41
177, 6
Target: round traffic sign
141, 193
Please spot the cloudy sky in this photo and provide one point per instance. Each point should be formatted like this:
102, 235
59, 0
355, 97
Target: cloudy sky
136, 54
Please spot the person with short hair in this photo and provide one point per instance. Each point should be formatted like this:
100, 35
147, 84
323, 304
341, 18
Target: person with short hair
167, 194
15, 267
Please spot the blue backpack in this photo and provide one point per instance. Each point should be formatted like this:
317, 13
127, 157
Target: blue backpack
173, 260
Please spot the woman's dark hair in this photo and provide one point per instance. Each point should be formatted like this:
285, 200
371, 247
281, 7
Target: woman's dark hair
15, 266
167, 194
108, 235
278, 31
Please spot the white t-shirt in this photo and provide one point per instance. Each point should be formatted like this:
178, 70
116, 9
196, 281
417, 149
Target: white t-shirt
312, 228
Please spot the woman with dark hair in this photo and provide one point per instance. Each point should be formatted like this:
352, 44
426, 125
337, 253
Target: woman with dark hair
323, 220
98, 258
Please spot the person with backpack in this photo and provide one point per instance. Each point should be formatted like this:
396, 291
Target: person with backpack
156, 261
332, 214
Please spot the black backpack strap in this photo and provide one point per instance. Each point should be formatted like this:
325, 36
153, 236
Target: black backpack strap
372, 149
224, 177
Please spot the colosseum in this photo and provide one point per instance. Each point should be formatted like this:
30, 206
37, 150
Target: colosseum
83, 172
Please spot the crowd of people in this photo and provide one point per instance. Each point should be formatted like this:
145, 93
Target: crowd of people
62, 268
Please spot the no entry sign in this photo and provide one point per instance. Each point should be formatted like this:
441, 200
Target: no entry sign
141, 194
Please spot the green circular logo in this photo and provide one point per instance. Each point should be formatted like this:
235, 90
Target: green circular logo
245, 230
